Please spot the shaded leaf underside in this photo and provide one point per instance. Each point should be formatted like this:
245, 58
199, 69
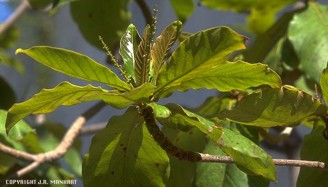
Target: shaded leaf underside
275, 107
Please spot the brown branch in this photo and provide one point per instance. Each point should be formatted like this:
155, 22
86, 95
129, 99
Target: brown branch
11, 20
60, 150
92, 129
16, 153
147, 113
278, 162
75, 129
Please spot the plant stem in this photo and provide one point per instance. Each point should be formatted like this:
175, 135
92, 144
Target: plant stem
147, 113
59, 151
165, 144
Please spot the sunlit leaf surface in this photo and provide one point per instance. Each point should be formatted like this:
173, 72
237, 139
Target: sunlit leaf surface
125, 154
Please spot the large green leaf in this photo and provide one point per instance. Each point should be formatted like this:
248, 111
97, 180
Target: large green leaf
68, 94
74, 64
248, 156
307, 32
324, 84
124, 154
162, 46
108, 19
185, 119
201, 62
50, 99
275, 107
128, 49
261, 12
219, 174
181, 171
315, 147
213, 105
183, 8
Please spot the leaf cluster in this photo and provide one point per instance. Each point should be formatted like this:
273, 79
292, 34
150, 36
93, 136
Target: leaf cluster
251, 98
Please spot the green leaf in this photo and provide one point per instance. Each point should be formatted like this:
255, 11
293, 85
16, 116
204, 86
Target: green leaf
275, 107
11, 62
7, 95
162, 46
50, 99
213, 105
56, 4
261, 12
181, 172
315, 147
183, 8
182, 117
122, 100
160, 111
128, 49
109, 19
50, 137
324, 84
249, 157
219, 174
307, 32
18, 132
14, 139
201, 62
9, 38
68, 94
242, 6
39, 4
31, 142
124, 154
142, 61
74, 64
263, 43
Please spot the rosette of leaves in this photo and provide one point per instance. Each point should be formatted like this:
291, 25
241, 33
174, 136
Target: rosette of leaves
125, 153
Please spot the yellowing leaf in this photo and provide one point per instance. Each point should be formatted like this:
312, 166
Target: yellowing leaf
68, 94
248, 156
324, 84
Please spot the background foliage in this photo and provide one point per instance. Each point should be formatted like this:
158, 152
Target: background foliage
291, 45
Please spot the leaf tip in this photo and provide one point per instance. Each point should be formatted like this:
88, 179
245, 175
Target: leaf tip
19, 50
9, 123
